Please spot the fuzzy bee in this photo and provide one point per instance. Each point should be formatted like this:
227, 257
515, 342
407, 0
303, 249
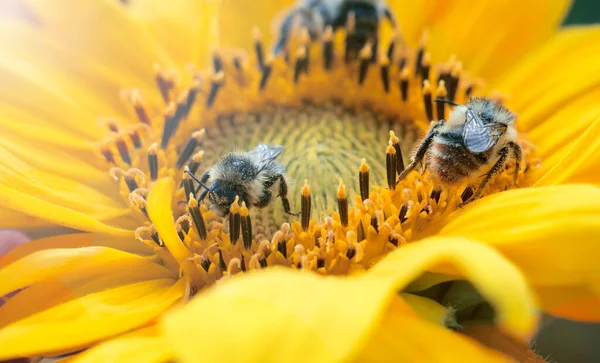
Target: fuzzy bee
254, 176
477, 139
316, 15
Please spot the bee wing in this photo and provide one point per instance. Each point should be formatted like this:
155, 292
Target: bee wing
266, 153
479, 137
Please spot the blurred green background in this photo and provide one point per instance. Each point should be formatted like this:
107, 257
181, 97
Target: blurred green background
564, 341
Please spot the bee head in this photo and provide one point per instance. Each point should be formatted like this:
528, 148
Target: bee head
220, 198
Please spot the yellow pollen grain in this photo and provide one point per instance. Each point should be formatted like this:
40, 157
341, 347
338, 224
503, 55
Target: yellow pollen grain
304, 36
384, 60
235, 208
218, 77
426, 87
116, 173
193, 203
341, 192
301, 52
198, 156
441, 91
390, 150
199, 135
153, 149
244, 210
393, 138
305, 189
170, 110
364, 168
328, 34
366, 52
426, 59
457, 70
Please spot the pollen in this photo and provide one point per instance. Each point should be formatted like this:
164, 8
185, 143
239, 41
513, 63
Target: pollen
351, 115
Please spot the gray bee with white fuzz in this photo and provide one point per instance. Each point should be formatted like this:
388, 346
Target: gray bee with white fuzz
254, 176
316, 15
477, 139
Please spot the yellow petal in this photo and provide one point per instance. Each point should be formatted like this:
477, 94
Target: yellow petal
57, 262
580, 163
144, 346
408, 339
79, 281
427, 309
39, 208
560, 71
187, 29
75, 240
490, 37
550, 233
80, 322
160, 200
334, 316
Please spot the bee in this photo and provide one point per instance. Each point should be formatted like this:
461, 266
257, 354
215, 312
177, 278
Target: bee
316, 15
254, 176
476, 140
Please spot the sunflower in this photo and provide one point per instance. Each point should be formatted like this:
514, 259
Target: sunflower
107, 109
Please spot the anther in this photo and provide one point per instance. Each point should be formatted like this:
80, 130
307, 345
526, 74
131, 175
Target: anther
246, 225
222, 264
440, 94
391, 48
140, 109
123, 150
393, 240
402, 215
190, 147
196, 161
395, 142
351, 252
305, 206
191, 98
281, 244
258, 48
349, 49
237, 63
404, 84
365, 59
453, 81
184, 221
320, 262
234, 221
217, 62
266, 73
469, 90
425, 66
180, 233
467, 194
153, 161
427, 100
385, 73
435, 195
419, 60
342, 200
375, 222
217, 82
163, 83
301, 63
243, 264
196, 214
304, 41
130, 182
157, 239
363, 180
328, 48
205, 263
188, 185
107, 154
134, 135
360, 232
110, 123
402, 62
171, 122
390, 166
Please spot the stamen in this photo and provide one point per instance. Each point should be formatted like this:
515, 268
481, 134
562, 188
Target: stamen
217, 62
196, 214
157, 239
184, 221
222, 264
365, 59
140, 109
258, 48
191, 98
171, 123
234, 221
403, 212
385, 74
391, 47
391, 165
351, 252
435, 195
279, 241
196, 161
122, 148
453, 81
205, 263
360, 232
419, 60
404, 84
342, 204
305, 206
188, 185
266, 72
153, 161
395, 142
246, 226
427, 100
243, 264
301, 63
110, 123
107, 154
440, 94
425, 66
328, 48
469, 90
304, 41
190, 147
467, 194
217, 82
135, 137
163, 83
349, 49
363, 180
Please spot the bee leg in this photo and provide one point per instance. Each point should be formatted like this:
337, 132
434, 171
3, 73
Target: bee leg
285, 29
421, 151
283, 190
202, 183
496, 169
518, 154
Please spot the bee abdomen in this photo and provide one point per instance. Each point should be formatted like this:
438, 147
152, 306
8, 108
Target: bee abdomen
451, 161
